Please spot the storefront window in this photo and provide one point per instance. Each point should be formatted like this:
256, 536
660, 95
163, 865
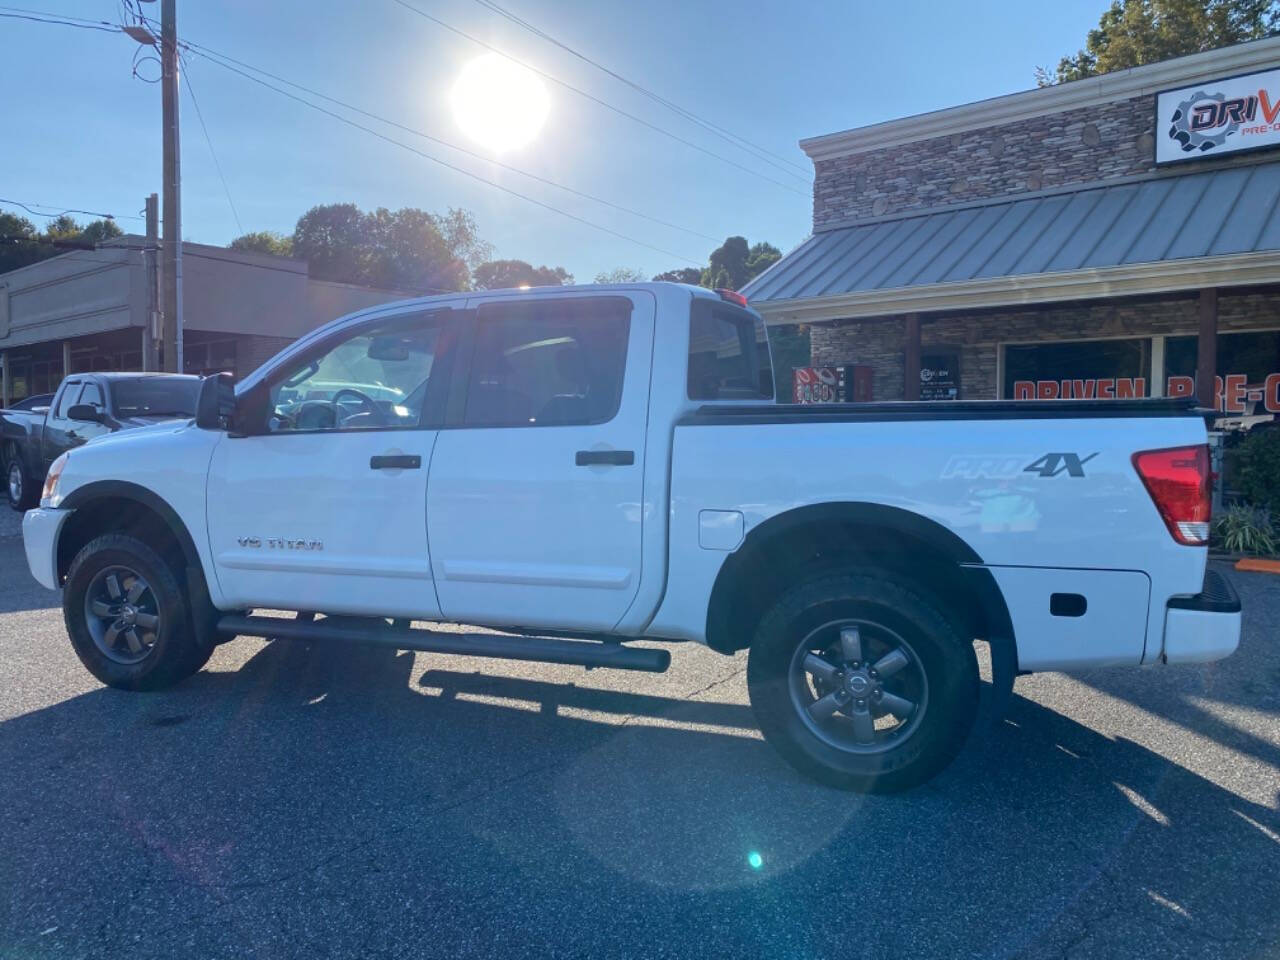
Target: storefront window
1248, 378
1082, 370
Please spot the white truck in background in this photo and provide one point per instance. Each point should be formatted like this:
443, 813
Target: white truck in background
586, 467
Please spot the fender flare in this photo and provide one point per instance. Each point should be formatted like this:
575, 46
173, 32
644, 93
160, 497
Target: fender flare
124, 490
949, 545
200, 604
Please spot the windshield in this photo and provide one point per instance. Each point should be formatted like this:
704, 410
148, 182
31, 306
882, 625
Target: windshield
155, 397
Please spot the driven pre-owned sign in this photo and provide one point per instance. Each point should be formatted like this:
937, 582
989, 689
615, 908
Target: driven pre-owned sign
1219, 117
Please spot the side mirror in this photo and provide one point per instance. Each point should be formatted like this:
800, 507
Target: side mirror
85, 412
216, 402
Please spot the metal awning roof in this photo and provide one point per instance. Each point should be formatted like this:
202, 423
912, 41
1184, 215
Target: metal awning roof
1209, 214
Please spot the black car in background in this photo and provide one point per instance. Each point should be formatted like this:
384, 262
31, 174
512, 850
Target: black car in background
34, 432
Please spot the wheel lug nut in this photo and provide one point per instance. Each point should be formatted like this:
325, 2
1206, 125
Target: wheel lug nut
861, 704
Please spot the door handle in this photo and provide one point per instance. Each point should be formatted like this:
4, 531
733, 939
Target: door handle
613, 458
399, 461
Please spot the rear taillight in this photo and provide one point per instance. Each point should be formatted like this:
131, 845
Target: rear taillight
1178, 481
731, 296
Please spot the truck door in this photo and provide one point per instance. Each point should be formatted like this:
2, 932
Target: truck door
82, 431
61, 433
534, 502
323, 506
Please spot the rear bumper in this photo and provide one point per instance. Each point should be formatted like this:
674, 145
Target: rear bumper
1204, 627
40, 529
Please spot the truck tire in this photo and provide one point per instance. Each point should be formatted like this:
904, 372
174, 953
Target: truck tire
21, 491
861, 682
127, 618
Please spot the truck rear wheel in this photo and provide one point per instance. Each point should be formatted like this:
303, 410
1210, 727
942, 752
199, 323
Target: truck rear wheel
20, 490
127, 618
862, 683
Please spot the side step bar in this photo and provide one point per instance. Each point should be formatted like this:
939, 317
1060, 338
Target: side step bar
584, 653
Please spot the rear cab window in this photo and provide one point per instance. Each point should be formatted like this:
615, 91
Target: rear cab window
728, 353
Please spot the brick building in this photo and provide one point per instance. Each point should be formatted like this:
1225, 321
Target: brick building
1110, 237
94, 310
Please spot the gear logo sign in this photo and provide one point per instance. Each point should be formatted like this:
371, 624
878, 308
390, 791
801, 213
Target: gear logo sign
1195, 140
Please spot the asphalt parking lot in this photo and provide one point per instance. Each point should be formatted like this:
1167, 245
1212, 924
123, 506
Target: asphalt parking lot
293, 801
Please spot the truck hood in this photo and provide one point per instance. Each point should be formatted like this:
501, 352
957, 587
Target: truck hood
131, 423
133, 429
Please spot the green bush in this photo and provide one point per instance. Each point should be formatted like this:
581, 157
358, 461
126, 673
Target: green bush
1244, 529
1257, 468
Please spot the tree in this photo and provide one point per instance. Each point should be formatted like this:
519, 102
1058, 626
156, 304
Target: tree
17, 242
264, 241
621, 275
733, 264
501, 274
760, 258
333, 239
690, 275
463, 237
408, 251
407, 248
24, 245
100, 231
1133, 32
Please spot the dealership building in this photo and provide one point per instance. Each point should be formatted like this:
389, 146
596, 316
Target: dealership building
95, 310
1111, 237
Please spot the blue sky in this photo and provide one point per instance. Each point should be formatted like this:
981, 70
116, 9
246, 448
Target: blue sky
81, 132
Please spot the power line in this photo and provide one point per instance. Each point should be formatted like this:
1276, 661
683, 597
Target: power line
444, 163
88, 25
207, 54
727, 135
594, 99
88, 213
209, 140
198, 48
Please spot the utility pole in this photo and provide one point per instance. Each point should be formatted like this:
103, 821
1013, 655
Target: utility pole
171, 261
150, 264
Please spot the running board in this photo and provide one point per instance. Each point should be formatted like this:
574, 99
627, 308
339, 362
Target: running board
583, 653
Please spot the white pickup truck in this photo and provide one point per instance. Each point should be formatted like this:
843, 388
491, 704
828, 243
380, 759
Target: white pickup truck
580, 468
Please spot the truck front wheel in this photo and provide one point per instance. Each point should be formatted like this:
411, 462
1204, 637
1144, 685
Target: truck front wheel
862, 683
126, 616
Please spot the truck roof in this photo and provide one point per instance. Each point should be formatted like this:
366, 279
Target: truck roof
135, 375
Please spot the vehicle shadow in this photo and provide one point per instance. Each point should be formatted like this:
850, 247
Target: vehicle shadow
306, 799
1234, 702
21, 592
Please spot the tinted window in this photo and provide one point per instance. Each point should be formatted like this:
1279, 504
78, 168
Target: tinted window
1039, 370
374, 379
70, 396
154, 397
728, 355
559, 362
92, 394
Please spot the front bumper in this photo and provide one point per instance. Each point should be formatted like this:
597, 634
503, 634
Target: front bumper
40, 529
1204, 627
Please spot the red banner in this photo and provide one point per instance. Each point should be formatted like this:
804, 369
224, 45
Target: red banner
1231, 393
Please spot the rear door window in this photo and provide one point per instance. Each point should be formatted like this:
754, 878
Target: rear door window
549, 363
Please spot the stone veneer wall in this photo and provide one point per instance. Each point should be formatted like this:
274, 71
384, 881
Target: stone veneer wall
1075, 146
880, 342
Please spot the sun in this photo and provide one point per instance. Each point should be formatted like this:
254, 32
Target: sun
499, 104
